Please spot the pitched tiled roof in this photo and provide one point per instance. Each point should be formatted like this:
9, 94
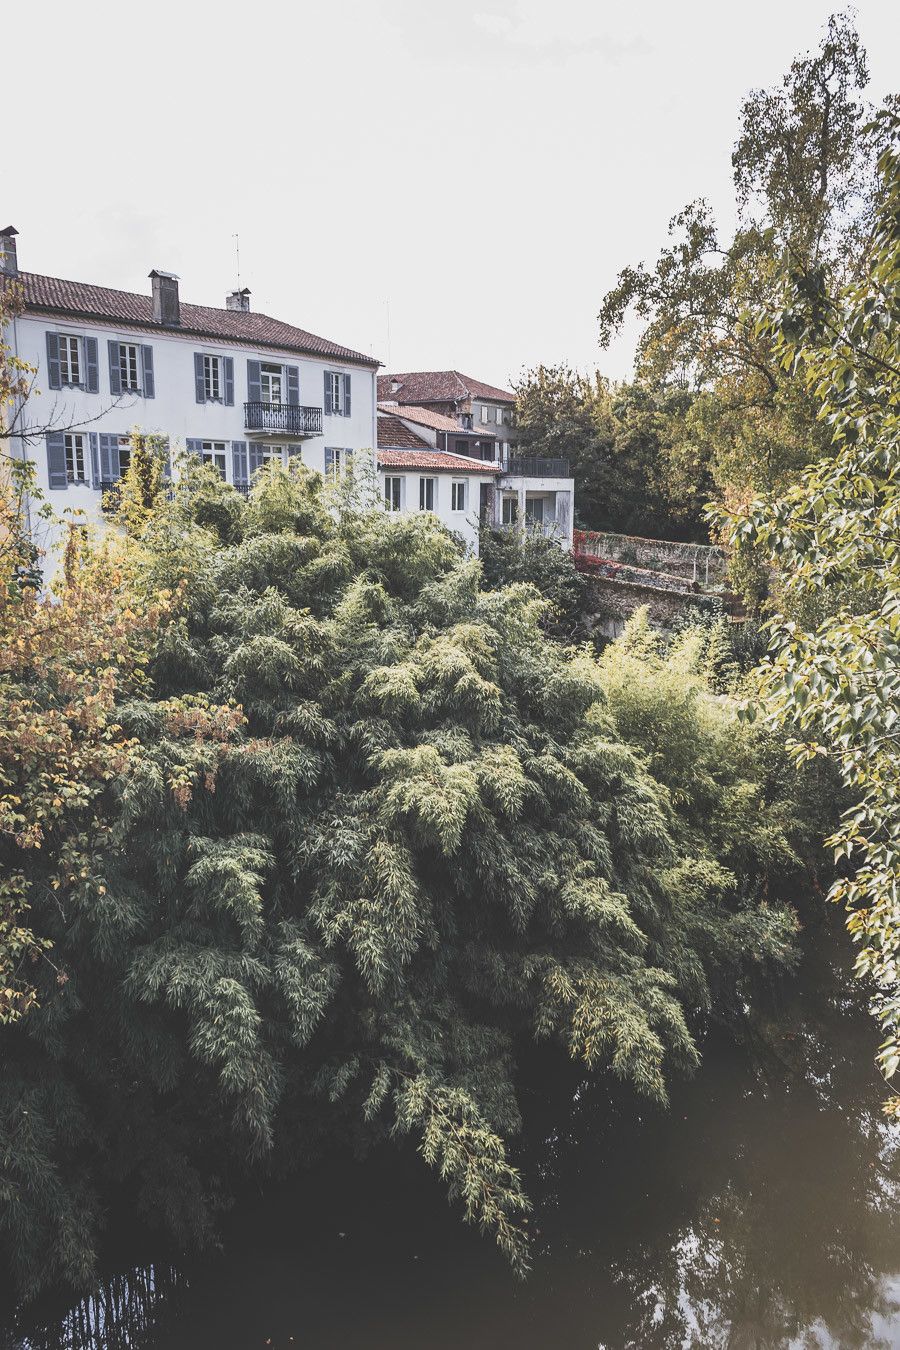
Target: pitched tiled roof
433, 460
439, 386
394, 435
80, 300
426, 417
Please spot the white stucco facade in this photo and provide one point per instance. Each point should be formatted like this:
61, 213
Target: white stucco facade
453, 496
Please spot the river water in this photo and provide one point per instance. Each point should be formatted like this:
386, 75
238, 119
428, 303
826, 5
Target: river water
759, 1211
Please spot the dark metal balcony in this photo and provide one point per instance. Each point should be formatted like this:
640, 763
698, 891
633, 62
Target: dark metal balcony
288, 419
535, 466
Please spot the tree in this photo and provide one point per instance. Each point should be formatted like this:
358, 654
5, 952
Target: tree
833, 674
804, 176
377, 832
508, 556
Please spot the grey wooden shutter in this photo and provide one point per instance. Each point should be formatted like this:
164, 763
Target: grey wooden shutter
55, 378
92, 365
346, 395
167, 467
199, 382
254, 388
228, 366
109, 458
293, 384
329, 460
239, 463
95, 460
147, 368
56, 460
255, 456
115, 374
328, 408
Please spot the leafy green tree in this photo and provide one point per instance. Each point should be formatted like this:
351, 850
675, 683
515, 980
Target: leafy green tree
833, 675
378, 831
510, 556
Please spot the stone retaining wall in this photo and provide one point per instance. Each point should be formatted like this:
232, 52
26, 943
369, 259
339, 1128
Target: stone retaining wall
702, 563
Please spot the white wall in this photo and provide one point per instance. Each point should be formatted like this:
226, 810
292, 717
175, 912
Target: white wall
174, 411
463, 523
553, 488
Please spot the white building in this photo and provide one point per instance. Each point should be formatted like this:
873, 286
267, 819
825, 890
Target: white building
235, 387
417, 477
461, 415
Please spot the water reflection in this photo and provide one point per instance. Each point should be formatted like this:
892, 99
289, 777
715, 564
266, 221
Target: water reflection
759, 1213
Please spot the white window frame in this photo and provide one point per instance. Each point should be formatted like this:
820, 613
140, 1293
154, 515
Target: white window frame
427, 488
269, 371
533, 503
509, 509
393, 492
70, 345
124, 447
76, 456
130, 365
336, 382
459, 488
216, 454
498, 414
277, 452
213, 378
338, 463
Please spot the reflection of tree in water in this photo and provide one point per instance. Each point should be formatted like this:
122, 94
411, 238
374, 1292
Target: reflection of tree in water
121, 1313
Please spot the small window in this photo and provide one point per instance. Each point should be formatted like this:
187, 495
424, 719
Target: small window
212, 378
498, 414
336, 385
75, 458
271, 379
213, 452
534, 509
426, 494
124, 454
392, 488
69, 359
510, 511
335, 463
272, 452
465, 421
484, 413
462, 447
128, 366
458, 494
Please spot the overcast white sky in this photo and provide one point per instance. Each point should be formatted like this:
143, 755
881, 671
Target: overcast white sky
440, 184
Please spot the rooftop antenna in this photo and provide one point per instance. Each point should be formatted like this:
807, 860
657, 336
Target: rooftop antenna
387, 306
237, 256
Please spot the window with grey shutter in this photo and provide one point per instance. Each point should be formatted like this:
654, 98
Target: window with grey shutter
56, 460
147, 381
346, 408
239, 463
109, 459
194, 447
92, 365
199, 383
228, 364
255, 456
254, 386
53, 361
293, 384
115, 373
328, 407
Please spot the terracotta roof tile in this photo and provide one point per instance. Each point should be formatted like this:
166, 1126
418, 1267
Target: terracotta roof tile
82, 300
394, 435
439, 386
435, 460
426, 417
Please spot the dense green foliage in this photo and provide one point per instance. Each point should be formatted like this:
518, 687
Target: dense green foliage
378, 831
834, 673
510, 556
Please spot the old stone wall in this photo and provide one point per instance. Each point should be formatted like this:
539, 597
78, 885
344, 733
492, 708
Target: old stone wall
701, 563
611, 603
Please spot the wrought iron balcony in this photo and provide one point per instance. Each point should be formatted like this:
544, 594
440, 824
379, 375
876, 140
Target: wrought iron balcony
290, 419
535, 466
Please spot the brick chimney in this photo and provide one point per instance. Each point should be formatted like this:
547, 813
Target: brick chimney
9, 263
166, 309
238, 299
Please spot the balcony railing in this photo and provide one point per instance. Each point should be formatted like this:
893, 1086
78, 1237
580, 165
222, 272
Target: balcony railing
535, 466
289, 418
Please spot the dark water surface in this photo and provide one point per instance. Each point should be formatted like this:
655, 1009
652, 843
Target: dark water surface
760, 1211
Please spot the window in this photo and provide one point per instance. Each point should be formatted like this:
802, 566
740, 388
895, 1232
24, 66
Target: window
335, 463
498, 414
270, 382
69, 359
462, 447
458, 494
74, 443
534, 509
392, 490
124, 454
270, 452
426, 494
510, 510
484, 413
336, 386
213, 452
212, 378
465, 421
129, 370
